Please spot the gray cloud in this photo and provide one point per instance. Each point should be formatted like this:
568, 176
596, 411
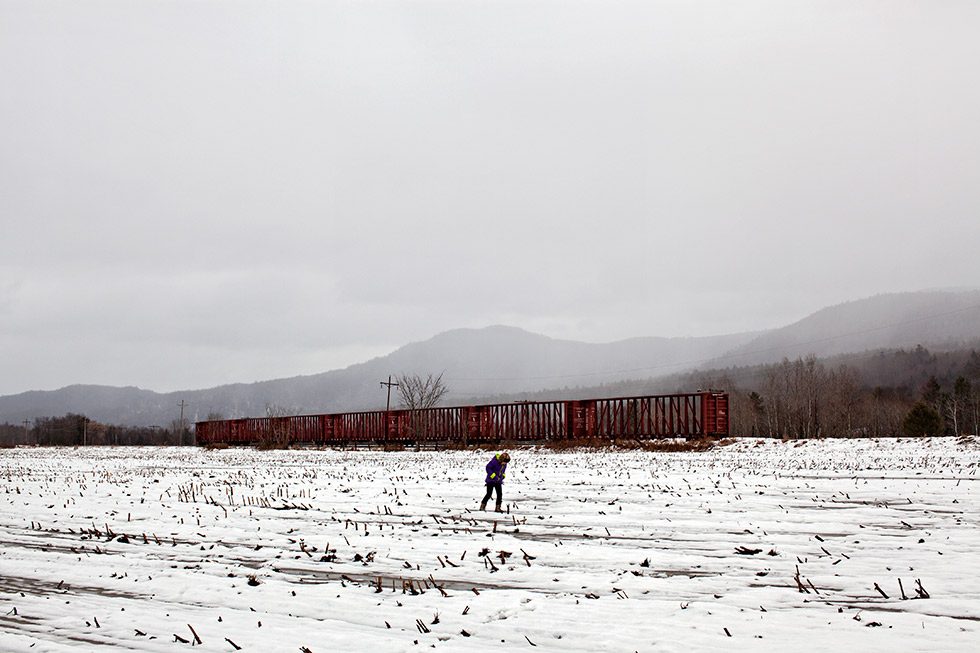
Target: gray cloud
194, 193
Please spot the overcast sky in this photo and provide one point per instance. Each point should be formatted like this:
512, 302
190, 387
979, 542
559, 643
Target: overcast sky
197, 193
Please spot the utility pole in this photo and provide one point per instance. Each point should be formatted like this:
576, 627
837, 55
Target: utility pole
388, 406
181, 426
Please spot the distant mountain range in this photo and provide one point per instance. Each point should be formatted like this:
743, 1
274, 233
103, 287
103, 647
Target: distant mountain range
501, 360
939, 320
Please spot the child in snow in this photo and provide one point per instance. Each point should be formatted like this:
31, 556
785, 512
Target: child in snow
495, 479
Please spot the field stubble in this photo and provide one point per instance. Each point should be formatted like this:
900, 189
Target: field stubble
757, 545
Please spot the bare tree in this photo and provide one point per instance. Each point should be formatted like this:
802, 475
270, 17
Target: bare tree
794, 393
842, 397
975, 403
416, 393
179, 428
277, 431
958, 404
776, 398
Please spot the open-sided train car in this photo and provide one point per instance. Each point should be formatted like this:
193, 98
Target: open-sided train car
688, 415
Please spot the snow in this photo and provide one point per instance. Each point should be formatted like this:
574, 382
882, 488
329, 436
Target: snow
627, 550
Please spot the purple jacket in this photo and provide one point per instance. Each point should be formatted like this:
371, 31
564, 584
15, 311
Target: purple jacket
495, 471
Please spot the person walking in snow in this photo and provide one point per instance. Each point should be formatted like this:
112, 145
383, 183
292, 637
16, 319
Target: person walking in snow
496, 469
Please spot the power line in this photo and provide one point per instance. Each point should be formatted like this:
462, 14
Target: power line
182, 404
389, 383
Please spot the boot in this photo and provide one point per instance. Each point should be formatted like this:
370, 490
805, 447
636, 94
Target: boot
497, 509
483, 505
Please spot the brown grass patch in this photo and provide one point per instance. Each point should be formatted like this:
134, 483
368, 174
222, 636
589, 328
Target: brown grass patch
579, 443
662, 445
672, 446
270, 445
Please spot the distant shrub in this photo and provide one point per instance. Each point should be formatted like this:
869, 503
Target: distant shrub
211, 446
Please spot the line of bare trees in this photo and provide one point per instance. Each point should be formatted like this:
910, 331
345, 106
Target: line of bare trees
79, 430
879, 396
804, 398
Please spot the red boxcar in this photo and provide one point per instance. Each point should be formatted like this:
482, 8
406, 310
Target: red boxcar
688, 415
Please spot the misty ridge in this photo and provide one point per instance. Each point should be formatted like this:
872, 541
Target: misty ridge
501, 363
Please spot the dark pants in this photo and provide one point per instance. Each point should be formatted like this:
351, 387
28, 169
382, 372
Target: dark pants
500, 492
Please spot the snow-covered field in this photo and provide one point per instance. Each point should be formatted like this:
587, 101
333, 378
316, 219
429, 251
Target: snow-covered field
755, 546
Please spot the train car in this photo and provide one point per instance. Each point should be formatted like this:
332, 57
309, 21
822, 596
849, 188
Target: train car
688, 415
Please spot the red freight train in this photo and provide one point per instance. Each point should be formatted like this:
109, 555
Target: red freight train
679, 415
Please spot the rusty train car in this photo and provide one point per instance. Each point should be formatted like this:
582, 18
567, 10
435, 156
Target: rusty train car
698, 414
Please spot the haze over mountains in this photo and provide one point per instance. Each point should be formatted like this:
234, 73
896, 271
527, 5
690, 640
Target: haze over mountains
479, 363
939, 320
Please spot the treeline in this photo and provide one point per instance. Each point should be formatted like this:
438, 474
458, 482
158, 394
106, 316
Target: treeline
78, 430
878, 394
807, 398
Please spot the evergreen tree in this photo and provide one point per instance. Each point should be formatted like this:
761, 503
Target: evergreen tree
931, 391
972, 368
922, 420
